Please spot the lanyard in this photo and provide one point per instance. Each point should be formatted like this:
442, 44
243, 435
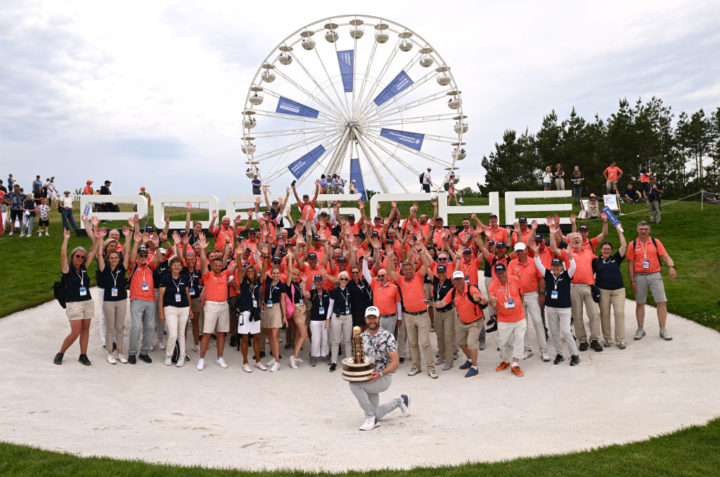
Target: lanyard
81, 276
270, 293
345, 297
115, 277
177, 285
644, 249
439, 287
555, 279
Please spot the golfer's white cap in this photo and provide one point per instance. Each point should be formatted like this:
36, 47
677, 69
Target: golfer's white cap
372, 311
458, 274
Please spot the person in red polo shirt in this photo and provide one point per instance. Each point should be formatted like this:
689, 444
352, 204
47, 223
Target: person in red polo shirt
612, 175
470, 320
533, 285
643, 255
142, 298
386, 297
506, 295
216, 312
417, 319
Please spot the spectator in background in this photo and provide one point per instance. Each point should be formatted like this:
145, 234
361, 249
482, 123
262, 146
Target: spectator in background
52, 192
426, 181
37, 186
44, 217
88, 190
105, 190
615, 191
577, 178
323, 184
709, 197
559, 176
631, 194
351, 188
144, 193
612, 175
653, 193
28, 216
452, 193
66, 210
2, 187
644, 174
256, 185
11, 182
16, 199
547, 178
593, 209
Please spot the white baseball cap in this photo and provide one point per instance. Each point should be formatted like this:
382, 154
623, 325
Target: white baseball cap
372, 311
458, 274
520, 246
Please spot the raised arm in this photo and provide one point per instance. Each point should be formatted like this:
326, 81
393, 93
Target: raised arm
203, 253
64, 267
95, 249
212, 221
127, 246
623, 243
601, 236
187, 217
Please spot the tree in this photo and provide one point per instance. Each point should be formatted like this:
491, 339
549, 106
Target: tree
513, 164
695, 138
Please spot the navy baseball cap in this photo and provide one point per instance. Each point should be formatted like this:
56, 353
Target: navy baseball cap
312, 255
500, 244
467, 250
539, 237
441, 269
556, 261
316, 237
317, 277
493, 216
499, 267
522, 219
142, 250
583, 227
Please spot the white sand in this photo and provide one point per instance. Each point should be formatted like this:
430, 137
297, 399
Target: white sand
307, 418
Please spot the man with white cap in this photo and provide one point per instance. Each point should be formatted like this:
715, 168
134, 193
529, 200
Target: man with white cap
468, 302
380, 347
533, 284
506, 295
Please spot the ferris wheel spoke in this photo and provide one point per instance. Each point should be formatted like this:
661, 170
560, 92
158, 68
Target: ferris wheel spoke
339, 153
330, 110
332, 84
415, 119
370, 104
290, 147
336, 108
431, 137
300, 109
369, 150
411, 105
370, 160
393, 155
331, 147
292, 117
292, 132
366, 76
422, 154
394, 100
367, 99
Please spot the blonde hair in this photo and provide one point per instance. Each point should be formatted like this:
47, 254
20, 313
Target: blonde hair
344, 274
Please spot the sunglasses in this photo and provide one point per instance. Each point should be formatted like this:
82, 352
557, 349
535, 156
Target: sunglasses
381, 276
442, 259
80, 256
343, 279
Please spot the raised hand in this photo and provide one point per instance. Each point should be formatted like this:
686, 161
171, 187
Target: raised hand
533, 225
434, 203
214, 214
137, 236
203, 240
573, 219
603, 216
145, 237
176, 238
258, 200
126, 232
95, 221
188, 205
167, 219
66, 234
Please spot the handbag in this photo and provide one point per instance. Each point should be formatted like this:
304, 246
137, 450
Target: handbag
290, 302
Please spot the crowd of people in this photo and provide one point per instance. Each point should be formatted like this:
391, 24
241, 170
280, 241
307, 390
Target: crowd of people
316, 275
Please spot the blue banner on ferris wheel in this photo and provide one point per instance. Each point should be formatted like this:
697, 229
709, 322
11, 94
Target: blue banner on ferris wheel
401, 81
346, 59
356, 175
409, 139
298, 167
288, 106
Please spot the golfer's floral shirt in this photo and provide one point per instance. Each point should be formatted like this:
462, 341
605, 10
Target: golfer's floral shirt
378, 347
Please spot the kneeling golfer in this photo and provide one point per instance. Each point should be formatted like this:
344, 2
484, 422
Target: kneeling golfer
379, 345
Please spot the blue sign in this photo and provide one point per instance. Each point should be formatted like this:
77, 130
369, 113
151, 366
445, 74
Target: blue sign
346, 58
409, 139
356, 175
401, 81
611, 217
288, 106
299, 167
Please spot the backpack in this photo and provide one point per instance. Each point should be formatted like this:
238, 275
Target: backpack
482, 307
60, 291
422, 177
632, 244
447, 186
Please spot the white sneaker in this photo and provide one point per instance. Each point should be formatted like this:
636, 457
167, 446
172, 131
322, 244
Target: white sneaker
21, 234
259, 365
221, 362
161, 345
404, 403
247, 368
293, 363
111, 359
122, 358
299, 359
39, 234
47, 234
201, 364
271, 362
528, 354
369, 424
545, 356
275, 367
168, 361
180, 362
196, 348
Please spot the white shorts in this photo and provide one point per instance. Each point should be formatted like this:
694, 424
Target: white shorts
247, 327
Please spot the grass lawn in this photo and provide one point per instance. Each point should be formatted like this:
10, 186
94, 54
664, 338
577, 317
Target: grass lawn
31, 265
689, 452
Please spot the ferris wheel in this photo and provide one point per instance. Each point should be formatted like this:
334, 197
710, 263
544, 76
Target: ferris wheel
358, 96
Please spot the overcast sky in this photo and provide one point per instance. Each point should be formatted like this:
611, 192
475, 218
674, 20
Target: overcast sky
151, 93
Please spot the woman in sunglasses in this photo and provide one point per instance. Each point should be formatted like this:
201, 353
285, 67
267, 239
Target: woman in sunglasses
79, 305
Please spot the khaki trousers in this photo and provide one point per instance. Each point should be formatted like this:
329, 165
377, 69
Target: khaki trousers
581, 297
533, 315
616, 299
511, 339
418, 331
445, 331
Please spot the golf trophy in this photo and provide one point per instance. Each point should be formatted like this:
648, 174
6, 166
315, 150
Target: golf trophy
357, 367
